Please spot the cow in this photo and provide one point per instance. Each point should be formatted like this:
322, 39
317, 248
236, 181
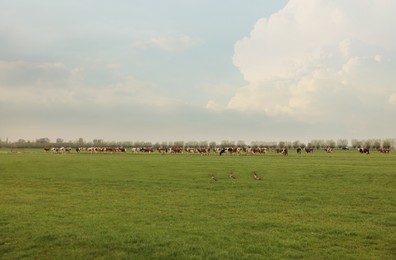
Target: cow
278, 150
175, 150
47, 149
285, 151
309, 149
203, 151
148, 149
384, 150
364, 150
190, 150
299, 149
328, 150
136, 149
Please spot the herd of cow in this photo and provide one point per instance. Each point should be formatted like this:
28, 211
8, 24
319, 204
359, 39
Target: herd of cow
199, 150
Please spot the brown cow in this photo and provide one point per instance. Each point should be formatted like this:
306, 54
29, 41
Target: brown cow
309, 149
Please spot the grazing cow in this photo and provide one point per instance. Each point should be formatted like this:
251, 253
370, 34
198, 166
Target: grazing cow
285, 151
148, 149
364, 150
384, 150
299, 149
222, 151
136, 149
309, 149
175, 150
47, 149
203, 150
278, 150
328, 150
190, 150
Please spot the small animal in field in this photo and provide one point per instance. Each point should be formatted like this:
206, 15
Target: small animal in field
256, 177
232, 177
213, 178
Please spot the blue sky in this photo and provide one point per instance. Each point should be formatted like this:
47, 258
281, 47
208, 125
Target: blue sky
197, 70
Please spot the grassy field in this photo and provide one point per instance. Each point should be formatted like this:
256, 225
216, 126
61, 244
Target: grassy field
317, 206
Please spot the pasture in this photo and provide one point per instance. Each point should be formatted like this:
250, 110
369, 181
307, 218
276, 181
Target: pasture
153, 206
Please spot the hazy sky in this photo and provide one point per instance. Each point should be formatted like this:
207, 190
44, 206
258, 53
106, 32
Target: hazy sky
197, 69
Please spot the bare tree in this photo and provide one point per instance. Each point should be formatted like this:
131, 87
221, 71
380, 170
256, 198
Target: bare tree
296, 144
356, 143
387, 143
341, 143
376, 143
241, 143
330, 143
44, 140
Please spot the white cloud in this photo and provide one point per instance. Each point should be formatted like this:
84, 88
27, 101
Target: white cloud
392, 99
314, 57
24, 82
168, 43
211, 105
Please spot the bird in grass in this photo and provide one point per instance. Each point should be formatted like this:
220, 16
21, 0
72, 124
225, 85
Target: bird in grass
213, 178
232, 176
256, 177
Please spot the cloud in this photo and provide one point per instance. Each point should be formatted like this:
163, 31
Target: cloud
392, 99
23, 82
212, 105
168, 43
315, 57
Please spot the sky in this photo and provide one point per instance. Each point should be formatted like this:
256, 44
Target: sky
197, 70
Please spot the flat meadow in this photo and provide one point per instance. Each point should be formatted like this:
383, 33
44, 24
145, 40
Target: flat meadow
340, 205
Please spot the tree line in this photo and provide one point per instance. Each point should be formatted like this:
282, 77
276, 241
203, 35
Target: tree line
318, 143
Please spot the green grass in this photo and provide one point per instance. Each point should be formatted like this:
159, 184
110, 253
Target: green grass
316, 206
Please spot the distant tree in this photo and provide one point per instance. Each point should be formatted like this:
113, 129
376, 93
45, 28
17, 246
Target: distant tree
241, 143
376, 143
296, 144
387, 143
97, 142
330, 143
227, 143
203, 144
44, 140
21, 141
59, 140
192, 144
368, 143
138, 144
178, 143
342, 143
212, 144
80, 141
356, 143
